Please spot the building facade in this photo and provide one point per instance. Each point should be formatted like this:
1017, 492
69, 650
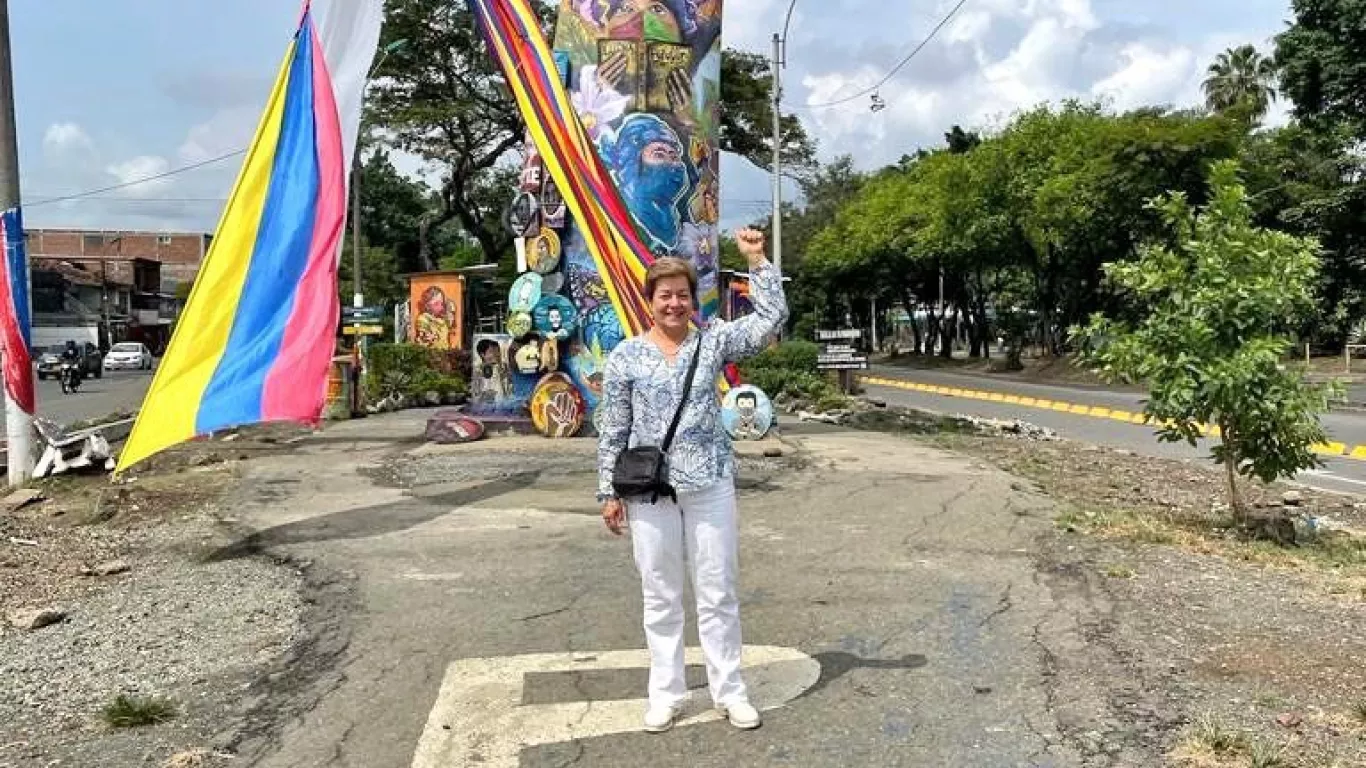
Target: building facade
117, 285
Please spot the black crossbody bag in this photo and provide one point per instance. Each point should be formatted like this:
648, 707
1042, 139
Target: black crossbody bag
644, 469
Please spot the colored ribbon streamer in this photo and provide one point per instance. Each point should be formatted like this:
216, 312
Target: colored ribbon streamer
510, 28
14, 315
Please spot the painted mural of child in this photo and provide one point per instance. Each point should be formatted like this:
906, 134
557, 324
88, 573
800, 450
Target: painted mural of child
435, 319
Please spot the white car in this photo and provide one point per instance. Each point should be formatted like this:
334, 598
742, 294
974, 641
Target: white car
128, 355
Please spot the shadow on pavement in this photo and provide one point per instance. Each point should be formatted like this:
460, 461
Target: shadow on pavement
837, 664
370, 521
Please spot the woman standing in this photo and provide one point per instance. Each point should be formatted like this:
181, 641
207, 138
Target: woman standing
642, 389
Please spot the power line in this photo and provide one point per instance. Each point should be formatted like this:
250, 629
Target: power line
873, 88
136, 182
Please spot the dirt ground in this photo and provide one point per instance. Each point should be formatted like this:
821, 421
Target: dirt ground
1260, 648
142, 615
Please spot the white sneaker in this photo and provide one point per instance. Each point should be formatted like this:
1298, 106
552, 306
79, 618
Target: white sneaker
660, 718
742, 715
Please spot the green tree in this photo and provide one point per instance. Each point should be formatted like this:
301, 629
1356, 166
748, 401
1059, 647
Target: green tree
1304, 181
747, 117
441, 98
1241, 79
392, 207
1219, 295
1320, 59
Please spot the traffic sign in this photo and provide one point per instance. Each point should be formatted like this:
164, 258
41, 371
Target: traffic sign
363, 330
369, 315
837, 351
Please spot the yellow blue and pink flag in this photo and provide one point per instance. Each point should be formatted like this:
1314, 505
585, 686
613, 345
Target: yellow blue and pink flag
255, 340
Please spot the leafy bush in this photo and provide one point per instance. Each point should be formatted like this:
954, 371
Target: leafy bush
788, 369
413, 371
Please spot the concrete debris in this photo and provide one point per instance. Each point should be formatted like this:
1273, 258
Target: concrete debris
21, 498
1014, 427
111, 568
31, 619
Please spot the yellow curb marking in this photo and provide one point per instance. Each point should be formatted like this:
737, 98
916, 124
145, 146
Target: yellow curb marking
1094, 411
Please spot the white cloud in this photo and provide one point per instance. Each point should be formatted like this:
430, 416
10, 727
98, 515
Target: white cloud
138, 171
227, 131
1148, 76
65, 138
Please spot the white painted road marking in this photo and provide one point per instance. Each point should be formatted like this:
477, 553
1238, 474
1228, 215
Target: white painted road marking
479, 718
1331, 476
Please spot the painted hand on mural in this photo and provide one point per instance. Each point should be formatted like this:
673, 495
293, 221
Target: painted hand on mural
680, 97
563, 412
612, 72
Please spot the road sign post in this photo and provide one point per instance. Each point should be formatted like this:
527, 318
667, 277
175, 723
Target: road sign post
839, 352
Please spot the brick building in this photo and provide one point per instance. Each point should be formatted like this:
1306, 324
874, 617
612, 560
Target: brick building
120, 285
179, 253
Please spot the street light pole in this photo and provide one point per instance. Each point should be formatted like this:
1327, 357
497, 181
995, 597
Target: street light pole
18, 422
777, 64
779, 61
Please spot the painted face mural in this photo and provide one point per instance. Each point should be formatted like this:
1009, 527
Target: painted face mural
647, 159
644, 77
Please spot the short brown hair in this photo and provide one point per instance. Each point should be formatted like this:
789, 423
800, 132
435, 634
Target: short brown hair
666, 267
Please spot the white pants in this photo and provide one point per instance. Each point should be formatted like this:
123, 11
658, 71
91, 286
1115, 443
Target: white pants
702, 524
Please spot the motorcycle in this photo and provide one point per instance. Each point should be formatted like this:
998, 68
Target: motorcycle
70, 376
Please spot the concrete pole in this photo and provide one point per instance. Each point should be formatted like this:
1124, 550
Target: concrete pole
18, 423
874, 312
776, 63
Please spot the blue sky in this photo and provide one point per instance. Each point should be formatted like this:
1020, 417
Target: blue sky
116, 91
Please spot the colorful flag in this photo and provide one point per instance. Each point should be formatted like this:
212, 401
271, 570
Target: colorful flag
514, 37
255, 340
15, 344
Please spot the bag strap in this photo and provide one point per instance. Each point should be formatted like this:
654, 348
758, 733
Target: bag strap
687, 387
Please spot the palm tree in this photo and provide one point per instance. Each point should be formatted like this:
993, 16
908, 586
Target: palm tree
1241, 78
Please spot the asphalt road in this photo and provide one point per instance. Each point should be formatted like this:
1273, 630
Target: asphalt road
1341, 474
118, 391
480, 614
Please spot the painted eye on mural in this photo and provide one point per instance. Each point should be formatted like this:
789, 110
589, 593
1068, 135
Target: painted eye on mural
659, 153
626, 8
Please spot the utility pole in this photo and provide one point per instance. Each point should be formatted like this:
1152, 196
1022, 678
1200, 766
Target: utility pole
777, 65
874, 313
18, 423
357, 291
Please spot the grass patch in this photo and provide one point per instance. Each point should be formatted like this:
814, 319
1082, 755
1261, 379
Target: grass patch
1359, 711
1264, 754
138, 711
1212, 743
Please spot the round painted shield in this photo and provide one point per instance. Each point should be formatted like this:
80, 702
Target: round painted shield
550, 355
552, 283
519, 324
746, 413
557, 408
526, 358
543, 252
523, 215
450, 429
525, 292
556, 316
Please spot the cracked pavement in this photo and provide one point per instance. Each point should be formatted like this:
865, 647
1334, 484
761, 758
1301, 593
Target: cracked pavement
950, 626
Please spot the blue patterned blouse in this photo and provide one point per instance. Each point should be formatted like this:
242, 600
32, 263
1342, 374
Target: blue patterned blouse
641, 391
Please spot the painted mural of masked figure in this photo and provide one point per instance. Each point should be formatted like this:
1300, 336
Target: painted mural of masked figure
653, 176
